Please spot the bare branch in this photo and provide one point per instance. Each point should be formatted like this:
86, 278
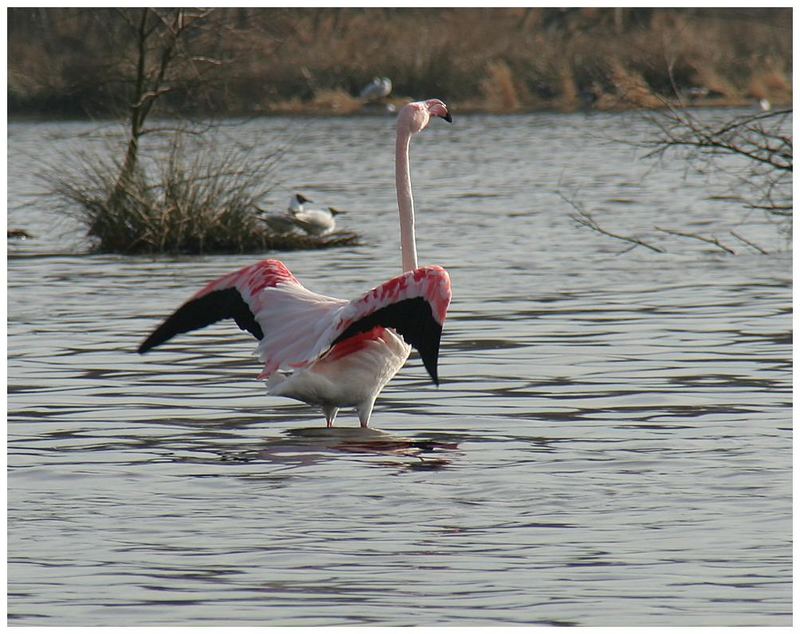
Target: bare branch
749, 243
763, 140
745, 136
585, 219
152, 95
712, 240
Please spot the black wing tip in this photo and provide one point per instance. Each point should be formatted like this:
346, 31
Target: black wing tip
160, 335
413, 320
430, 359
198, 313
151, 342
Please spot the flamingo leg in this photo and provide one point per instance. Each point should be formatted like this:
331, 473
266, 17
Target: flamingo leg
330, 415
364, 412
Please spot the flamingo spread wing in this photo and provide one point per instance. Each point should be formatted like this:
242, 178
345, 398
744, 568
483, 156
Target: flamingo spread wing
296, 326
414, 304
223, 298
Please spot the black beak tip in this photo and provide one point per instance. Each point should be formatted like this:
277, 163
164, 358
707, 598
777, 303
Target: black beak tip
448, 118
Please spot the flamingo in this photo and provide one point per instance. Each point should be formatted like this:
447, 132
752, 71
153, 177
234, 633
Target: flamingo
325, 351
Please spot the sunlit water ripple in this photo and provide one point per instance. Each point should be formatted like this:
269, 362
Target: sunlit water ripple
610, 444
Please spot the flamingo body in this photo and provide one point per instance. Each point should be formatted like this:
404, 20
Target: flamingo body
322, 350
351, 374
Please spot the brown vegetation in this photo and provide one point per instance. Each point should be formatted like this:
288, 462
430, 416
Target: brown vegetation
70, 61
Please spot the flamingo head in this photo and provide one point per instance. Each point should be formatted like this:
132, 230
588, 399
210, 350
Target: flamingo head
415, 116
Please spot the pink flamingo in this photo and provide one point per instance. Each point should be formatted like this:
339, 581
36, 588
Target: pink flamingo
341, 353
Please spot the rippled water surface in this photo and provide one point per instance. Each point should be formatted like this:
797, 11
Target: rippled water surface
610, 444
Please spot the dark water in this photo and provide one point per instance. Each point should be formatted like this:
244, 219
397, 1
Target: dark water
610, 445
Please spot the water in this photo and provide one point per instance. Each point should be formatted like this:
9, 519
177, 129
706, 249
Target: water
610, 445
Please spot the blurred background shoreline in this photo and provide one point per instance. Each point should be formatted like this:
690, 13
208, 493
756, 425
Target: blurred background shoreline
79, 63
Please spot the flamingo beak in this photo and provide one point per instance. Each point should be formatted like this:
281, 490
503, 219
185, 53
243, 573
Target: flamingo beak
447, 118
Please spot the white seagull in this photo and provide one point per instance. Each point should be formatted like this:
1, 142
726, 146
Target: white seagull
297, 203
378, 88
317, 222
314, 221
278, 223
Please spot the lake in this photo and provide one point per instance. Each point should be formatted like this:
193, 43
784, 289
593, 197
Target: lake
611, 442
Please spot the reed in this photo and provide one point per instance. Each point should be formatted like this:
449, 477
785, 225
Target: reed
499, 89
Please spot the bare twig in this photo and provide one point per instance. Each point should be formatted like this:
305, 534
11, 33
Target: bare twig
763, 139
585, 219
749, 243
152, 95
712, 240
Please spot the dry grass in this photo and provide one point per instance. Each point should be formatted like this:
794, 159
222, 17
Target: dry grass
769, 84
499, 89
631, 88
326, 101
568, 98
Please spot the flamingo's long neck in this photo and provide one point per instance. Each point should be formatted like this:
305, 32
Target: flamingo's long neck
405, 202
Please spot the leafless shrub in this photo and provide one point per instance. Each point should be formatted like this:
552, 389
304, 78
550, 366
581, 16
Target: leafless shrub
754, 151
586, 219
763, 140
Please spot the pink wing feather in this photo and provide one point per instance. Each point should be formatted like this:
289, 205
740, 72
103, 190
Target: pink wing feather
296, 326
300, 326
431, 283
252, 279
